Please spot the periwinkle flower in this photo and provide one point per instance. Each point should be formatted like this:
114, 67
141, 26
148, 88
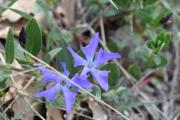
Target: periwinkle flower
92, 64
64, 85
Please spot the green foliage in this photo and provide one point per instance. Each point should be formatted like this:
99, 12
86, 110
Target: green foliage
4, 73
157, 59
57, 37
149, 2
43, 5
161, 41
65, 56
103, 1
121, 3
144, 16
9, 47
134, 70
33, 37
96, 91
49, 57
19, 54
109, 12
94, 6
120, 98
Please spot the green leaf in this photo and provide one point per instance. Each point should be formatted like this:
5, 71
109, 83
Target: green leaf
157, 59
94, 8
43, 6
164, 61
65, 56
33, 37
23, 14
121, 3
96, 90
162, 40
2, 9
149, 2
135, 71
49, 57
150, 44
9, 47
19, 53
103, 1
144, 16
59, 38
3, 88
4, 73
111, 11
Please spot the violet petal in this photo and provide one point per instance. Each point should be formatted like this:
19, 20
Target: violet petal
50, 93
104, 56
101, 78
89, 50
78, 60
48, 75
69, 98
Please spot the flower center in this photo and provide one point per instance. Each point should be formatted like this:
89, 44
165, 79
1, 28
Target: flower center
90, 64
63, 82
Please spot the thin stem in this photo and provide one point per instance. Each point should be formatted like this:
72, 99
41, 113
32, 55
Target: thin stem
113, 4
80, 114
102, 29
27, 101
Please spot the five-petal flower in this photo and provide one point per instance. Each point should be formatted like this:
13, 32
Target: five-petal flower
92, 64
64, 85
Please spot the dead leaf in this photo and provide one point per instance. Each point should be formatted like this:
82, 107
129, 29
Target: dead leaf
20, 106
15, 21
54, 114
60, 16
4, 31
98, 113
22, 5
69, 8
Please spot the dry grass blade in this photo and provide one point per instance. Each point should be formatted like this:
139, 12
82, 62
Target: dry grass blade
39, 115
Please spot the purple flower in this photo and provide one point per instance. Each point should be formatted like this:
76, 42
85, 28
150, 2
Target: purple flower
61, 84
92, 64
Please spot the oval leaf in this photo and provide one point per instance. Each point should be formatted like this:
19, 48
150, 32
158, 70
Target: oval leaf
9, 47
157, 59
134, 70
33, 37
